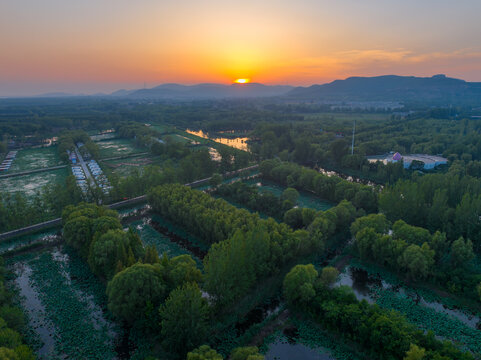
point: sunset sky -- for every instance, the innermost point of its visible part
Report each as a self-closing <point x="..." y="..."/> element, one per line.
<point x="93" y="46"/>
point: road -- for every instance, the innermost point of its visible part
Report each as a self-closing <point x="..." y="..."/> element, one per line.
<point x="84" y="166"/>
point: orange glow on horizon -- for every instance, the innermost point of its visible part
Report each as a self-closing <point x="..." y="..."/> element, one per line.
<point x="242" y="81"/>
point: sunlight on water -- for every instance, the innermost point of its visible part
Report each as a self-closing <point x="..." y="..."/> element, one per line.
<point x="238" y="142"/>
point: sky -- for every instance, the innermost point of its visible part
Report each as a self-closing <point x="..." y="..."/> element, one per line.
<point x="92" y="46"/>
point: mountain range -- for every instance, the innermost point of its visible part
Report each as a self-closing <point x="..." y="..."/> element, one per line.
<point x="435" y="89"/>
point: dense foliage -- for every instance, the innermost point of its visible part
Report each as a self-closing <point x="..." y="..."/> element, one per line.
<point x="416" y="253"/>
<point x="384" y="334"/>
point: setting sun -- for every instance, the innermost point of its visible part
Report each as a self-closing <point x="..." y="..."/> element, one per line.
<point x="242" y="81"/>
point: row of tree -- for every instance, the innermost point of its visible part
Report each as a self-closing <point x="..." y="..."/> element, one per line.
<point x="382" y="334"/>
<point x="332" y="188"/>
<point x="245" y="247"/>
<point x="264" y="202"/>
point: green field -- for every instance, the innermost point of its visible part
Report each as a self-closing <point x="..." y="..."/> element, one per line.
<point x="30" y="159"/>
<point x="123" y="167"/>
<point x="118" y="147"/>
<point x="30" y="184"/>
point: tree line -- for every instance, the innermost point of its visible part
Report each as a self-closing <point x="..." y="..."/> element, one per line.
<point x="332" y="188"/>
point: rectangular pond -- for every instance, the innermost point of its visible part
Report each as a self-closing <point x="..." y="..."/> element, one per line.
<point x="65" y="305"/>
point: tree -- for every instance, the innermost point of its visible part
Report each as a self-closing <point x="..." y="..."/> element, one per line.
<point x="151" y="255"/>
<point x="132" y="290"/>
<point x="329" y="275"/>
<point x="365" y="239"/>
<point x="215" y="180"/>
<point x="204" y="352"/>
<point x="417" y="261"/>
<point x="462" y="252"/>
<point x="299" y="283"/>
<point x="293" y="218"/>
<point x="378" y="222"/>
<point x="415" y="353"/>
<point x="184" y="319"/>
<point x="479" y="291"/>
<point x="181" y="269"/>
<point x="107" y="251"/>
<point x="246" y="353"/>
<point x="290" y="194"/>
<point x="77" y="233"/>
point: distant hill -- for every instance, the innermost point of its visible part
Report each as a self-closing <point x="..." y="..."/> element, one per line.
<point x="438" y="88"/>
<point x="207" y="91"/>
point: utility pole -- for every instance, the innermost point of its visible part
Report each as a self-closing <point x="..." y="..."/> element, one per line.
<point x="353" y="133"/>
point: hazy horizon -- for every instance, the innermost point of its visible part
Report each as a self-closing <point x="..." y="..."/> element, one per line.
<point x="97" y="46"/>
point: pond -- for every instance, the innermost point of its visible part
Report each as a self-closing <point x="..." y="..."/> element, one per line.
<point x="361" y="283"/>
<point x="420" y="307"/>
<point x="306" y="199"/>
<point x="289" y="346"/>
<point x="65" y="305"/>
<point x="283" y="350"/>
<point x="235" y="142"/>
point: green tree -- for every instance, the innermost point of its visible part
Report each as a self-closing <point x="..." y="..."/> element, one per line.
<point x="184" y="319"/>
<point x="290" y="194"/>
<point x="246" y="353"/>
<point x="78" y="234"/>
<point x="299" y="283"/>
<point x="215" y="180"/>
<point x="415" y="353"/>
<point x="378" y="222"/>
<point x="328" y="275"/>
<point x="182" y="269"/>
<point x="8" y="354"/>
<point x="293" y="218"/>
<point x="151" y="255"/>
<point x="479" y="291"/>
<point x="462" y="252"/>
<point x="204" y="352"/>
<point x="133" y="290"/>
<point x="107" y="251"/>
<point x="417" y="260"/>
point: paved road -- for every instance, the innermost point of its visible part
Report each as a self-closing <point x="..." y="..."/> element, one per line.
<point x="84" y="166"/>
